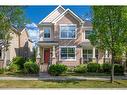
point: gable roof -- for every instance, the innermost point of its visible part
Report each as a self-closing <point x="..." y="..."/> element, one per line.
<point x="53" y="12"/>
<point x="64" y="13"/>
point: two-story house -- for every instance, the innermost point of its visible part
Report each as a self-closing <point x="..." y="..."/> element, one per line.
<point x="64" y="39"/>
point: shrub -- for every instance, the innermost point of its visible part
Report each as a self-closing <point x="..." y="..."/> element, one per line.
<point x="13" y="68"/>
<point x="106" y="67"/>
<point x="1" y="70"/>
<point x="118" y="69"/>
<point x="81" y="68"/>
<point x="70" y="69"/>
<point x="31" y="67"/>
<point x="93" y="67"/>
<point x="57" y="69"/>
<point x="19" y="61"/>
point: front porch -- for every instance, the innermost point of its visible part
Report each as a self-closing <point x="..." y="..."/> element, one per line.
<point x="90" y="53"/>
<point x="46" y="54"/>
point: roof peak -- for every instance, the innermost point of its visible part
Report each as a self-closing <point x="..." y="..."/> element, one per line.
<point x="58" y="7"/>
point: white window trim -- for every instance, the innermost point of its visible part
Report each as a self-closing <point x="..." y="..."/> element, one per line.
<point x="44" y="31"/>
<point x="66" y="59"/>
<point x="67" y="25"/>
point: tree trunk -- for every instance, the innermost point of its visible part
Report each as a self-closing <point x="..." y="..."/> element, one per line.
<point x="112" y="68"/>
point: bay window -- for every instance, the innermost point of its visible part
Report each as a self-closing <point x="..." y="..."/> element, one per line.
<point x="68" y="31"/>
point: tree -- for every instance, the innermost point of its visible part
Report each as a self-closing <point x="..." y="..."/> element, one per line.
<point x="11" y="17"/>
<point x="110" y="32"/>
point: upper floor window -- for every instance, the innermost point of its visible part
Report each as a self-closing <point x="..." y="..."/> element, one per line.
<point x="47" y="32"/>
<point x="68" y="31"/>
<point x="87" y="33"/>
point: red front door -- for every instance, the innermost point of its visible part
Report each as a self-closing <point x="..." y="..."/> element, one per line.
<point x="46" y="55"/>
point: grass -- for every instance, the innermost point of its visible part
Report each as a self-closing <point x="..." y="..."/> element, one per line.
<point x="62" y="84"/>
<point x="17" y="74"/>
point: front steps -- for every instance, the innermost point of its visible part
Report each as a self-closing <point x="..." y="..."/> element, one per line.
<point x="44" y="71"/>
<point x="44" y="75"/>
<point x="44" y="68"/>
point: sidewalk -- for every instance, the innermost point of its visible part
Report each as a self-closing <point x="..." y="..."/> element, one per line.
<point x="58" y="78"/>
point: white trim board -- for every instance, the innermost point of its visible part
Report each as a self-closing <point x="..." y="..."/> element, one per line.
<point x="64" y="13"/>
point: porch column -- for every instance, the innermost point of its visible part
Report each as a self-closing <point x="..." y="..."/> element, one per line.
<point x="54" y="55"/>
<point x="106" y="54"/>
<point x="38" y="57"/>
<point x="107" y="59"/>
<point x="94" y="58"/>
<point x="81" y="57"/>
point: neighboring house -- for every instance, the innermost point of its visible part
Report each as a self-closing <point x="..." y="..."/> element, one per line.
<point x="64" y="40"/>
<point x="20" y="45"/>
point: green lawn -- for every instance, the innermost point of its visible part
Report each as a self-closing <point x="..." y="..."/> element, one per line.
<point x="62" y="84"/>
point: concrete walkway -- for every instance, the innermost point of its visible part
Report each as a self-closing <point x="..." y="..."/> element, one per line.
<point x="57" y="78"/>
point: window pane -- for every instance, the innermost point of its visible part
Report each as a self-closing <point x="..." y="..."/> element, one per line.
<point x="71" y="34"/>
<point x="68" y="31"/>
<point x="89" y="55"/>
<point x="46" y="35"/>
<point x="63" y="53"/>
<point x="63" y="50"/>
<point x="85" y="56"/>
<point x="71" y="56"/>
<point x="84" y="51"/>
<point x="87" y="33"/>
<point x="46" y="32"/>
<point x="71" y="50"/>
<point x="63" y="56"/>
<point x="89" y="51"/>
<point x="63" y="34"/>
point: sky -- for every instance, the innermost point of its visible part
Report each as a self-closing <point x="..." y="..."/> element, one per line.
<point x="36" y="13"/>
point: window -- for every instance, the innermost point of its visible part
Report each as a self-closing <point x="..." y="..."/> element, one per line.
<point x="68" y="31"/>
<point x="87" y="55"/>
<point x="47" y="32"/>
<point x="87" y="33"/>
<point x="67" y="52"/>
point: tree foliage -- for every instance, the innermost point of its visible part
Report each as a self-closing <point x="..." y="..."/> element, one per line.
<point x="10" y="16"/>
<point x="110" y="32"/>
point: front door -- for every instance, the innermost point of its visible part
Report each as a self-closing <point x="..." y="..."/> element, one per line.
<point x="46" y="55"/>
